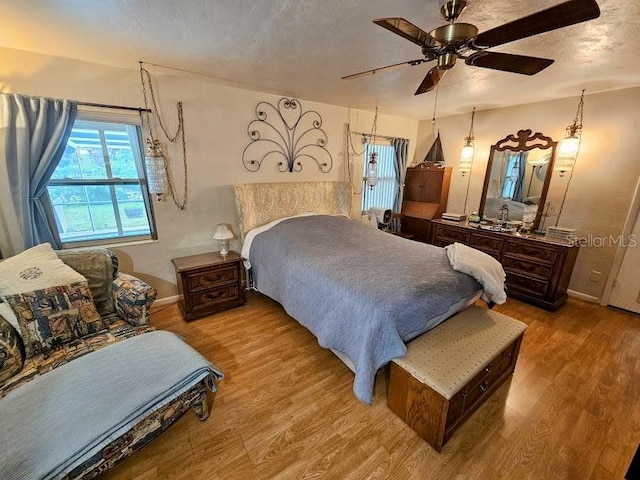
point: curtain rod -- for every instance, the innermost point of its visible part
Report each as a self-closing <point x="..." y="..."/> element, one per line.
<point x="116" y="107"/>
<point x="372" y="136"/>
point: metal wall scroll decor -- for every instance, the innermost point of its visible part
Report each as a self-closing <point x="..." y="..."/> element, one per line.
<point x="284" y="131"/>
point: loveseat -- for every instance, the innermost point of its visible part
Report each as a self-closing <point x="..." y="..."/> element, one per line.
<point x="80" y="390"/>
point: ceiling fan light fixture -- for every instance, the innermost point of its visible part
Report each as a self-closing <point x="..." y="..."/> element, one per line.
<point x="447" y="61"/>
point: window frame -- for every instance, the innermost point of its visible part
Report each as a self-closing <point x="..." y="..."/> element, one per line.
<point x="390" y="178"/>
<point x="131" y="122"/>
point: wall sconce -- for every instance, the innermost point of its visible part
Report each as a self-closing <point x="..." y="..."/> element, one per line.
<point x="372" y="170"/>
<point x="223" y="233"/>
<point x="466" y="154"/>
<point x="569" y="146"/>
<point x="156" y="167"/>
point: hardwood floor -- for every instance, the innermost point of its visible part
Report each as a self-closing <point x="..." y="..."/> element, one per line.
<point x="286" y="410"/>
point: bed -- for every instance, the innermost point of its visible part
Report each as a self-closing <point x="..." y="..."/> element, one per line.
<point x="362" y="292"/>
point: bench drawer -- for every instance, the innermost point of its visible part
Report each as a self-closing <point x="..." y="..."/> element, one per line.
<point x="475" y="392"/>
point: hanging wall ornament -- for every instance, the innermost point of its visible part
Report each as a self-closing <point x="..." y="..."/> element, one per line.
<point x="287" y="134"/>
<point x="159" y="179"/>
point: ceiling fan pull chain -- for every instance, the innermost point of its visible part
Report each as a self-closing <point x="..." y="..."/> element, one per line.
<point x="435" y="105"/>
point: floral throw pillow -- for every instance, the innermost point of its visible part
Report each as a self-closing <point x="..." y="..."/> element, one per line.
<point x="54" y="316"/>
<point x="11" y="354"/>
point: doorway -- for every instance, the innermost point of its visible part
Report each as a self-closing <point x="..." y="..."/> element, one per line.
<point x="623" y="286"/>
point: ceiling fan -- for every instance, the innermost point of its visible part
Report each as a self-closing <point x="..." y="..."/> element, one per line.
<point x="462" y="40"/>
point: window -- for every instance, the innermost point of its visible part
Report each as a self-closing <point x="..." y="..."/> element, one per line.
<point x="512" y="174"/>
<point x="98" y="190"/>
<point x="384" y="194"/>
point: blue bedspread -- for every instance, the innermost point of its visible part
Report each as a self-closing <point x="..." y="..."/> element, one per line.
<point x="51" y="424"/>
<point x="360" y="291"/>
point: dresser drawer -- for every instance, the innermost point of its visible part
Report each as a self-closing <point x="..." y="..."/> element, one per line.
<point x="523" y="284"/>
<point x="203" y="280"/>
<point x="214" y="296"/>
<point x="486" y="244"/>
<point x="537" y="253"/>
<point x="446" y="236"/>
<point x="525" y="267"/>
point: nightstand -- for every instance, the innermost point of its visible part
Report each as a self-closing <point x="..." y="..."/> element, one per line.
<point x="208" y="283"/>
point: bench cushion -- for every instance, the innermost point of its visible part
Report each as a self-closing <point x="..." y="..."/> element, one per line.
<point x="448" y="356"/>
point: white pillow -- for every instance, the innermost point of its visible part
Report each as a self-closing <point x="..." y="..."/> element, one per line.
<point x="34" y="269"/>
<point x="7" y="313"/>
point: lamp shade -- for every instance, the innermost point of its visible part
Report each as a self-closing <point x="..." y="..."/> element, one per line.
<point x="223" y="232"/>
<point x="466" y="159"/>
<point x="567" y="154"/>
<point x="372" y="170"/>
<point x="156" y="168"/>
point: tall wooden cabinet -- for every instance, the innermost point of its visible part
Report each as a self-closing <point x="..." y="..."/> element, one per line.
<point x="426" y="189"/>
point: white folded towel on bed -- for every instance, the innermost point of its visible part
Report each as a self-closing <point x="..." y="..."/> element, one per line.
<point x="484" y="268"/>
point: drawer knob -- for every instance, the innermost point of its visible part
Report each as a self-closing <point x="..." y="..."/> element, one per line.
<point x="484" y="386"/>
<point x="465" y="394"/>
<point x="488" y="368"/>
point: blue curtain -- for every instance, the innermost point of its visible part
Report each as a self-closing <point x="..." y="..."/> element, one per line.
<point x="36" y="131"/>
<point x="521" y="167"/>
<point x="401" y="146"/>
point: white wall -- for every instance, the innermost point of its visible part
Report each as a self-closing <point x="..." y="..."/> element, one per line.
<point x="604" y="178"/>
<point x="216" y="119"/>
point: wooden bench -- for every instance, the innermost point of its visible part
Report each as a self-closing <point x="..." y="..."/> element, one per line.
<point x="451" y="370"/>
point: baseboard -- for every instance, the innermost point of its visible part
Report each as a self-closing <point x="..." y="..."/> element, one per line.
<point x="583" y="296"/>
<point x="165" y="301"/>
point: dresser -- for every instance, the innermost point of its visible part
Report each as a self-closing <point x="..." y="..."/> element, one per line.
<point x="208" y="283"/>
<point x="426" y="189"/>
<point x="538" y="268"/>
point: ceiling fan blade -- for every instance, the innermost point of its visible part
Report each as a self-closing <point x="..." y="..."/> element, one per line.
<point x="388" y="67"/>
<point x="562" y="15"/>
<point x="431" y="79"/>
<point x="407" y="30"/>
<point x="508" y="62"/>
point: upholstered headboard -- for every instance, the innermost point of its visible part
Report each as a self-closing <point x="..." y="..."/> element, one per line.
<point x="261" y="203"/>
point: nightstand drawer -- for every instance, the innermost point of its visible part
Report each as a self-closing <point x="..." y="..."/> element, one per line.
<point x="212" y="278"/>
<point x="214" y="296"/>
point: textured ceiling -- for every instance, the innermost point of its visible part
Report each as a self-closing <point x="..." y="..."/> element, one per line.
<point x="301" y="48"/>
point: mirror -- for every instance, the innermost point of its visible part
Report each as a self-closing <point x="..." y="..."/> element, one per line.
<point x="517" y="179"/>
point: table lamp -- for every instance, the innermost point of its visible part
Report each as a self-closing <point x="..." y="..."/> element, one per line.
<point x="224" y="234"/>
